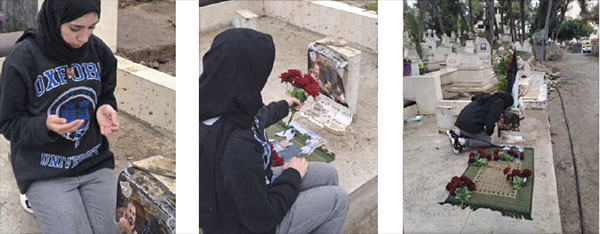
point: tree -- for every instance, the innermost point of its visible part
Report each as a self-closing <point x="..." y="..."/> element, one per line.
<point x="489" y="15"/>
<point x="512" y="21"/>
<point x="436" y="13"/>
<point x="522" y="10"/>
<point x="422" y="14"/>
<point x="20" y="15"/>
<point x="574" y="28"/>
<point x="412" y="27"/>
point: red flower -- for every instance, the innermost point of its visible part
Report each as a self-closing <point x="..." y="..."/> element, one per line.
<point x="291" y="76"/>
<point x="496" y="151"/>
<point x="516" y="172"/>
<point x="471" y="159"/>
<point x="480" y="150"/>
<point x="277" y="161"/>
<point x="526" y="173"/>
<point x="455" y="178"/>
<point x="513" y="153"/>
<point x="496" y="157"/>
<point x="311" y="86"/>
<point x="489" y="156"/>
<point x="509" y="176"/>
<point x="506" y="170"/>
<point x="522" y="156"/>
<point x="472" y="154"/>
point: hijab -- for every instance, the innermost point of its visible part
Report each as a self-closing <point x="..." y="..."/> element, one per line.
<point x="52" y="15"/>
<point x="487" y="98"/>
<point x="235" y="70"/>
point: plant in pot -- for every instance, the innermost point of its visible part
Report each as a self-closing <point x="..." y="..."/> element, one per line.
<point x="407" y="70"/>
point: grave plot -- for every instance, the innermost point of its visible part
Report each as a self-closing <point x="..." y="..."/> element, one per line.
<point x="295" y="26"/>
<point x="147" y="33"/>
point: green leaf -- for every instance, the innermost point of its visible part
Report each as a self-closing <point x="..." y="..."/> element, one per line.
<point x="463" y="195"/>
<point x="481" y="162"/>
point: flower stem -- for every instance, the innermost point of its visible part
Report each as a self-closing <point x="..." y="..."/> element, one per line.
<point x="287" y="126"/>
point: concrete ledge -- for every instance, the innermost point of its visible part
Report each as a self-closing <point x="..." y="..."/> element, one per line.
<point x="426" y="90"/>
<point x="362" y="202"/>
<point x="146" y="94"/>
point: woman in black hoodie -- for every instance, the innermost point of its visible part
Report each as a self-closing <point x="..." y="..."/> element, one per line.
<point x="239" y="191"/>
<point x="56" y="108"/>
<point x="477" y="120"/>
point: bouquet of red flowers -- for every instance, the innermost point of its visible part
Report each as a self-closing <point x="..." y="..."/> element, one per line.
<point x="277" y="161"/>
<point x="303" y="85"/>
<point x="461" y="188"/>
<point x="517" y="178"/>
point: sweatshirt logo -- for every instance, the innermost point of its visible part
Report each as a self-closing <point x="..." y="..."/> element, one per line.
<point x="58" y="76"/>
<point x="75" y="104"/>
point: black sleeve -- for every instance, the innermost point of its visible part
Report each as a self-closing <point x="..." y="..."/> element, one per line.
<point x="493" y="116"/>
<point x="108" y="79"/>
<point x="16" y="123"/>
<point x="273" y="112"/>
<point x="260" y="208"/>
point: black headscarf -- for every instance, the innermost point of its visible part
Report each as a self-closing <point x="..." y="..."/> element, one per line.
<point x="485" y="98"/>
<point x="235" y="70"/>
<point x="52" y="15"/>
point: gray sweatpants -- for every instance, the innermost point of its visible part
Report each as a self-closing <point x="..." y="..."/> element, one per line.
<point x="321" y="206"/>
<point x="479" y="140"/>
<point x="81" y="204"/>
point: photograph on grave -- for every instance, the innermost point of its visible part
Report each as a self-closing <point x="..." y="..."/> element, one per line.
<point x="328" y="67"/>
<point x="308" y="113"/>
<point x="486" y="127"/>
<point x="79" y="107"/>
<point x="144" y="203"/>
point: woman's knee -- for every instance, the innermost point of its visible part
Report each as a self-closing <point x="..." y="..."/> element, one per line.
<point x="325" y="170"/>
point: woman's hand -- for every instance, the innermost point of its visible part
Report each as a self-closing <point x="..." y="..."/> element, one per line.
<point x="60" y="125"/>
<point x="300" y="164"/>
<point x="107" y="119"/>
<point x="291" y="101"/>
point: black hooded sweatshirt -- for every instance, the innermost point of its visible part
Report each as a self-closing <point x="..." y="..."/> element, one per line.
<point x="483" y="112"/>
<point x="42" y="75"/>
<point x="238" y="193"/>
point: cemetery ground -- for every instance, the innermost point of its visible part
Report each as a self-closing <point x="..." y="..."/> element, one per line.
<point x="135" y="139"/>
<point x="146" y="33"/>
<point x="356" y="151"/>
<point x="579" y="92"/>
<point x="429" y="165"/>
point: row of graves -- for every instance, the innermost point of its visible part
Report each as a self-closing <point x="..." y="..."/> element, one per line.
<point x="454" y="73"/>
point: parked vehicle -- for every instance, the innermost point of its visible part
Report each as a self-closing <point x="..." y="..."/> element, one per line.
<point x="586" y="49"/>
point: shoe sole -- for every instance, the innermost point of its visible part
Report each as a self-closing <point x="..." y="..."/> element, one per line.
<point x="452" y="142"/>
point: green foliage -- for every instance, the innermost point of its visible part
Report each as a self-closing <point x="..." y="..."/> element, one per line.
<point x="481" y="162"/>
<point x="574" y="28"/>
<point x="518" y="182"/>
<point x="506" y="157"/>
<point x="372" y="6"/>
<point x="299" y="94"/>
<point x="463" y="195"/>
<point x="501" y="69"/>
<point x="411" y="26"/>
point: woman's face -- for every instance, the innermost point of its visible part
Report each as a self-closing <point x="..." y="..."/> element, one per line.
<point x="77" y="32"/>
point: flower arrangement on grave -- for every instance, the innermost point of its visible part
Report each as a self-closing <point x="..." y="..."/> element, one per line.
<point x="518" y="178"/>
<point x="480" y="158"/>
<point x="277" y="161"/>
<point x="304" y="86"/>
<point x="460" y="188"/>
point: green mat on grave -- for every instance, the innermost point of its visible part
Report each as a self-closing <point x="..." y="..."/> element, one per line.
<point x="320" y="154"/>
<point x="494" y="192"/>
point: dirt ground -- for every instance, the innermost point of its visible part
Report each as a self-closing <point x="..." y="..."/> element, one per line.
<point x="146" y="33"/>
<point x="580" y="98"/>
